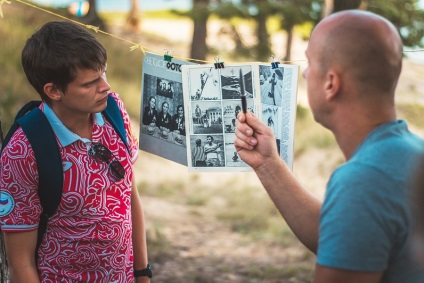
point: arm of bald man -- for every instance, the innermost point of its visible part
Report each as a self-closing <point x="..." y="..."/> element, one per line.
<point x="255" y="143"/>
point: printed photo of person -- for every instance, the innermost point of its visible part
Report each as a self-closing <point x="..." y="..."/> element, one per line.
<point x="150" y="113"/>
<point x="232" y="159"/>
<point x="231" y="108"/>
<point x="214" y="151"/>
<point x="210" y="121"/>
<point x="204" y="84"/>
<point x="164" y="118"/>
<point x="198" y="156"/>
<point x="165" y="88"/>
<point x="271" y="85"/>
<point x="178" y="121"/>
<point x="271" y="115"/>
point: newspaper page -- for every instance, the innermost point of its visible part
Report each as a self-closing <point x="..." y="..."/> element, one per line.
<point x="163" y="125"/>
<point x="278" y="91"/>
<point x="213" y="100"/>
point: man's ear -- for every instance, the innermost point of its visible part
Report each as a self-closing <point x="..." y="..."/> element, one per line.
<point x="332" y="85"/>
<point x="52" y="92"/>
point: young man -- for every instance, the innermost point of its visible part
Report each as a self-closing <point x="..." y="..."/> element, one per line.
<point x="361" y="232"/>
<point x="97" y="233"/>
<point x="164" y="118"/>
<point x="213" y="152"/>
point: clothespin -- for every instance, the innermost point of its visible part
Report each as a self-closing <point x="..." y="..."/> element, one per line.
<point x="218" y="64"/>
<point x="167" y="56"/>
<point x="274" y="64"/>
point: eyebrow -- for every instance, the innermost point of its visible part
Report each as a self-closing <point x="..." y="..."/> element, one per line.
<point x="90" y="82"/>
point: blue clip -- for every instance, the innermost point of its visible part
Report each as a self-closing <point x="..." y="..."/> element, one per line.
<point x="218" y="64"/>
<point x="274" y="64"/>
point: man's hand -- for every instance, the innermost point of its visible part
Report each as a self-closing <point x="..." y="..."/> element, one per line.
<point x="255" y="142"/>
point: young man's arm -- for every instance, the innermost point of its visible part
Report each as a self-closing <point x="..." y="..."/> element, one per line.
<point x="20" y="249"/>
<point x="138" y="234"/>
<point x="255" y="143"/>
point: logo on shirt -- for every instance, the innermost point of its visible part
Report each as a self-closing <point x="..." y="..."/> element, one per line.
<point x="66" y="165"/>
<point x="7" y="203"/>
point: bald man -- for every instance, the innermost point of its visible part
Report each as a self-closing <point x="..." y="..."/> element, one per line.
<point x="360" y="232"/>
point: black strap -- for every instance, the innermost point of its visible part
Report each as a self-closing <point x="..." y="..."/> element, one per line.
<point x="113" y="115"/>
<point x="49" y="164"/>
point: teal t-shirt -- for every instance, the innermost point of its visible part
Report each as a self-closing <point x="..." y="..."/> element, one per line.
<point x="366" y="217"/>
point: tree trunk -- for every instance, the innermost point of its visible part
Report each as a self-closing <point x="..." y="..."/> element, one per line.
<point x="327" y="9"/>
<point x="92" y="18"/>
<point x="340" y="5"/>
<point x="133" y="18"/>
<point x="200" y="19"/>
<point x="290" y="32"/>
<point x="263" y="49"/>
<point x="333" y="6"/>
<point x="364" y="4"/>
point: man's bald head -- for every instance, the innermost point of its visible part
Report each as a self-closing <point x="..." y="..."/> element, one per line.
<point x="362" y="45"/>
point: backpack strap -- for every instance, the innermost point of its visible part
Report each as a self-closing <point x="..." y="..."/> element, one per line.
<point x="49" y="164"/>
<point x="15" y="126"/>
<point x="47" y="155"/>
<point x="114" y="116"/>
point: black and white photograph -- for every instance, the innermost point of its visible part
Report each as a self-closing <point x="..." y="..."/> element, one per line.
<point x="207" y="150"/>
<point x="206" y="117"/>
<point x="162" y="116"/>
<point x="216" y="115"/>
<point x="232" y="159"/>
<point x="204" y="84"/>
<point x="271" y="82"/>
<point x="165" y="88"/>
<point x="230" y="81"/>
<point x="231" y="108"/>
<point x="271" y="116"/>
<point x="163" y="125"/>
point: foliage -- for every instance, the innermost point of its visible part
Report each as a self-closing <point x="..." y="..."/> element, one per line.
<point x="405" y="15"/>
<point x="14" y="88"/>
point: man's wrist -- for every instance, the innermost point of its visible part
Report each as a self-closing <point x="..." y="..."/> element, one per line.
<point x="144" y="272"/>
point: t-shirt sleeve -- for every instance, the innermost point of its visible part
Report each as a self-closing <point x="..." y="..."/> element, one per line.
<point x="20" y="207"/>
<point x="357" y="225"/>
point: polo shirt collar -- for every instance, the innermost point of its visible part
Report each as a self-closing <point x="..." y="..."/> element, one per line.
<point x="66" y="136"/>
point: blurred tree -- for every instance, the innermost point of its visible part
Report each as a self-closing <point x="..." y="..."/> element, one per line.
<point x="133" y="18"/>
<point x="294" y="12"/>
<point x="229" y="11"/>
<point x="92" y="17"/>
<point x="404" y="14"/>
<point x="199" y="14"/>
<point x="407" y="17"/>
<point x="259" y="11"/>
<point x="332" y="6"/>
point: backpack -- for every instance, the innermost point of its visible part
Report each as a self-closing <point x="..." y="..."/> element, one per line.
<point x="49" y="162"/>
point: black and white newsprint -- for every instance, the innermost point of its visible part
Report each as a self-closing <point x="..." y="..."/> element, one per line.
<point x="278" y="91"/>
<point x="163" y="125"/>
<point x="212" y="98"/>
